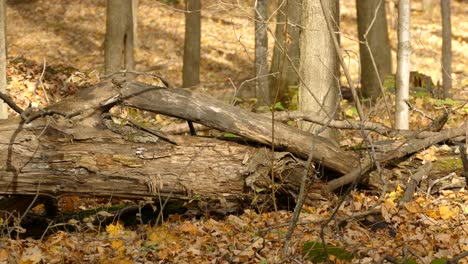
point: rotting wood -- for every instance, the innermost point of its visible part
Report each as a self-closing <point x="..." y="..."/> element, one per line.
<point x="79" y="155"/>
<point x="407" y="147"/>
<point x="107" y="165"/>
<point x="203" y="109"/>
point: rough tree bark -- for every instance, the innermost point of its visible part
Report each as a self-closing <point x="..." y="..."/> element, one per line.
<point x="261" y="53"/>
<point x="446" y="48"/>
<point x="120" y="35"/>
<point x="191" y="67"/>
<point x="100" y="163"/>
<point x="78" y="155"/>
<point x="374" y="46"/>
<point x="81" y="155"/>
<point x="319" y="64"/>
<point x="285" y="61"/>
<point x="3" y="57"/>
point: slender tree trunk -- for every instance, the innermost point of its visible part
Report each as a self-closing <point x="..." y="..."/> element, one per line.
<point x="120" y="35"/>
<point x="3" y="57"/>
<point x="191" y="67"/>
<point x="403" y="65"/>
<point x="319" y="64"/>
<point x="374" y="47"/>
<point x="286" y="51"/>
<point x="261" y="53"/>
<point x="446" y="48"/>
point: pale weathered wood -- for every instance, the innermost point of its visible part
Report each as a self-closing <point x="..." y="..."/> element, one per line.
<point x="203" y="109"/>
<point x="56" y="156"/>
<point x="107" y="165"/>
<point x="79" y="155"/>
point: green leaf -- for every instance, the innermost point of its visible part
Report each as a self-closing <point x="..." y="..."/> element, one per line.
<point x="351" y="112"/>
<point x="259" y="190"/>
<point x="439" y="261"/>
<point x="408" y="261"/>
<point x="315" y="252"/>
<point x="447" y="101"/>
<point x="230" y="135"/>
<point x="279" y="106"/>
<point x="420" y="94"/>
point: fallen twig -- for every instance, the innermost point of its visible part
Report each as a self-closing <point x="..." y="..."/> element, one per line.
<point x="414" y="182"/>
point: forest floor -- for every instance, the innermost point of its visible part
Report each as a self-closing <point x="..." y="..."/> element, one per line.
<point x="68" y="39"/>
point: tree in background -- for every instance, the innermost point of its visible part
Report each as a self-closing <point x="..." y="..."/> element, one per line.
<point x="374" y="46"/>
<point x="403" y="65"/>
<point x="191" y="67"/>
<point x="446" y="48"/>
<point x="319" y="64"/>
<point x="3" y="57"/>
<point x="286" y="51"/>
<point x="120" y="35"/>
<point x="261" y="53"/>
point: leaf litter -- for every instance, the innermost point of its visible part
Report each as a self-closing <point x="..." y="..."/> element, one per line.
<point x="69" y="37"/>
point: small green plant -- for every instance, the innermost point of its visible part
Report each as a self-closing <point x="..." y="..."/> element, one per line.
<point x="439" y="261"/>
<point x="447" y="101"/>
<point x="279" y="107"/>
<point x="315" y="252"/>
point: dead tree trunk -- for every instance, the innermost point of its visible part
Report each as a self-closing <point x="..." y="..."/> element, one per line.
<point x="79" y="155"/>
<point x="45" y="153"/>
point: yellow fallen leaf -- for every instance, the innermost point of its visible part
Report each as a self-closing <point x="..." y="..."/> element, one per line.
<point x="447" y="213"/>
<point x="189" y="228"/>
<point x="114" y="229"/>
<point x="413" y="207"/>
<point x="162" y="235"/>
<point x="117" y="245"/>
<point x="3" y="255"/>
<point x="433" y="214"/>
<point x="396" y="194"/>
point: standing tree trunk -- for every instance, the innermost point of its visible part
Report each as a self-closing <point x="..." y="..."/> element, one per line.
<point x="374" y="46"/>
<point x="446" y="48"/>
<point x="285" y="60"/>
<point x="319" y="64"/>
<point x="261" y="53"/>
<point x="191" y="68"/>
<point x="120" y="35"/>
<point x="3" y="57"/>
<point x="403" y="65"/>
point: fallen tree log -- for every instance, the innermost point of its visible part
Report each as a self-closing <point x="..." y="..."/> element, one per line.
<point x="43" y="160"/>
<point x="68" y="148"/>
<point x="205" y="110"/>
<point x="88" y="104"/>
<point x="43" y="152"/>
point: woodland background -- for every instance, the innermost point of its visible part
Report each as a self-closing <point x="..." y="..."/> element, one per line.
<point x="68" y="39"/>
